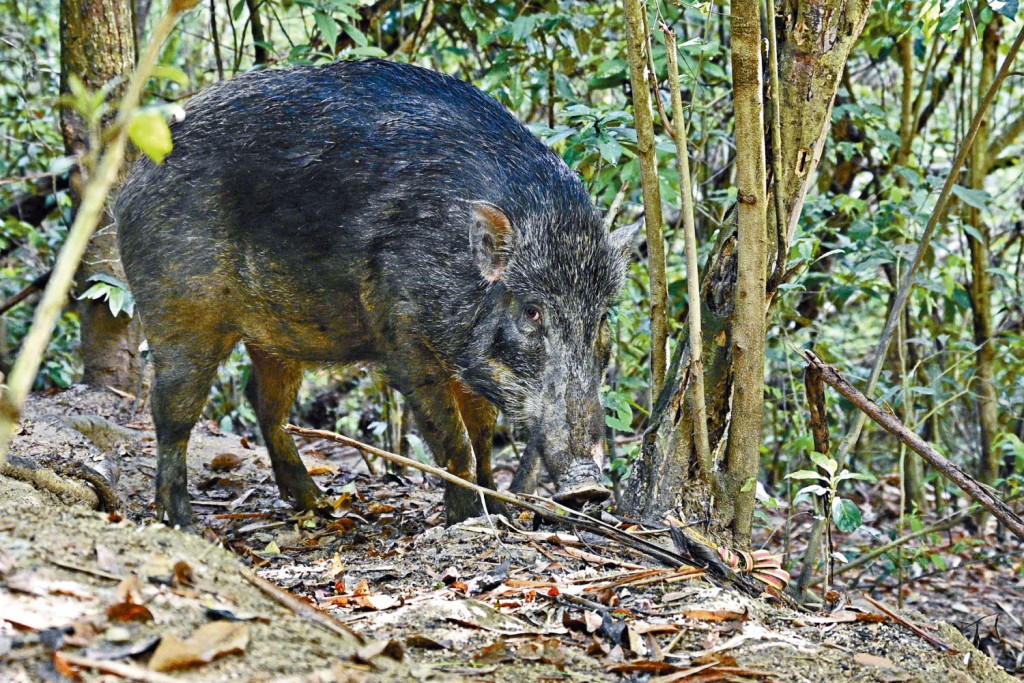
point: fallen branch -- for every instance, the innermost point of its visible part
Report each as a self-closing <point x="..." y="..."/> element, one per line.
<point x="68" y="490"/>
<point x="30" y="289"/>
<point x="131" y="672"/>
<point x="892" y="424"/>
<point x="911" y="626"/>
<point x="302" y="609"/>
<point x="554" y="512"/>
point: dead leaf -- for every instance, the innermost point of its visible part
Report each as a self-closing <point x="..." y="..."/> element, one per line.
<point x="495" y="653"/>
<point x="422" y="641"/>
<point x="129" y="590"/>
<point x="317" y="470"/>
<point x="226" y="461"/>
<point x="182" y="575"/>
<point x="376" y="602"/>
<point x="64" y="668"/>
<point x="209" y="642"/>
<point x="129" y="611"/>
<point x="873" y="660"/>
<point x="107" y="560"/>
<point x="386" y="648"/>
<point x="717" y="615"/>
<point x="481" y="615"/>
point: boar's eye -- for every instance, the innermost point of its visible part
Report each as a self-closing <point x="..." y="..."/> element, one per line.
<point x="533" y="314"/>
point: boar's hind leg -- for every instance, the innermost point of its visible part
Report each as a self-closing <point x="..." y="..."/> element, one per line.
<point x="183" y="377"/>
<point x="271" y="392"/>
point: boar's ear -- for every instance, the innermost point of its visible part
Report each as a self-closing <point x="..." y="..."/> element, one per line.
<point x="621" y="240"/>
<point x="490" y="240"/>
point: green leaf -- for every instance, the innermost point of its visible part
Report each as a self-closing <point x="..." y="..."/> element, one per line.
<point x="328" y="29"/>
<point x="368" y="51"/>
<point x="611" y="150"/>
<point x="1007" y="8"/>
<point x="468" y="15"/>
<point x="824" y="462"/>
<point x="976" y="198"/>
<point x="170" y="73"/>
<point x="149" y="131"/>
<point x="358" y="36"/>
<point x="805" y="474"/>
<point x="845" y="514"/>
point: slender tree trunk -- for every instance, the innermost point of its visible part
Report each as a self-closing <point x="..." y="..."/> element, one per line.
<point x="97" y="45"/>
<point x="752" y="258"/>
<point x="981" y="281"/>
<point x="637" y="42"/>
<point x="814" y="41"/>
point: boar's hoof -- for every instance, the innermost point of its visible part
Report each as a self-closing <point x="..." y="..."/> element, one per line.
<point x="579" y="495"/>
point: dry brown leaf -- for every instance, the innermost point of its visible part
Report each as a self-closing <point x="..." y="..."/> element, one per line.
<point x="317" y="470"/>
<point x="129" y="590"/>
<point x="209" y="642"/>
<point x="376" y="602"/>
<point x="873" y="660"/>
<point x="65" y="669"/>
<point x="107" y="560"/>
<point x="226" y="461"/>
<point x="495" y="653"/>
<point x="129" y="611"/>
<point x="717" y="615"/>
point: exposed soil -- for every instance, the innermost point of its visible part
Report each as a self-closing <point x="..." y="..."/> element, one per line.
<point x="486" y="600"/>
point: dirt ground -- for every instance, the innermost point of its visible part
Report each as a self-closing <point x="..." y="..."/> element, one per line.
<point x="93" y="596"/>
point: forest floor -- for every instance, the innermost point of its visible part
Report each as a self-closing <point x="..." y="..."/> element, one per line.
<point x="92" y="596"/>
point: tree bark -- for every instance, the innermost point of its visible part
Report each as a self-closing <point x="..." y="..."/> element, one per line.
<point x="814" y="41"/>
<point x="752" y="256"/>
<point x="637" y="45"/>
<point x="981" y="281"/>
<point x="97" y="45"/>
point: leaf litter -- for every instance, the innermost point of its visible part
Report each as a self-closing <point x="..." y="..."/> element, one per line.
<point x="384" y="592"/>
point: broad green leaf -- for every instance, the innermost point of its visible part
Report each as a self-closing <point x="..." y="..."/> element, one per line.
<point x="368" y="51"/>
<point x="611" y="150"/>
<point x="468" y="15"/>
<point x="845" y="514"/>
<point x="358" y="36"/>
<point x="805" y="474"/>
<point x="977" y="198"/>
<point x="328" y="29"/>
<point x="170" y="73"/>
<point x="824" y="462"/>
<point x="1008" y="8"/>
<point x="149" y="131"/>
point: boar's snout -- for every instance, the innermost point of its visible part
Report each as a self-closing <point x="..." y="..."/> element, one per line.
<point x="581" y="485"/>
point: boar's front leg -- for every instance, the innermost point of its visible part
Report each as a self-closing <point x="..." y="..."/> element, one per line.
<point x="436" y="411"/>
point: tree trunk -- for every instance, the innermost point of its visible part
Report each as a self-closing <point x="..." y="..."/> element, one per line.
<point x="637" y="43"/>
<point x="747" y="326"/>
<point x="97" y="45"/>
<point x="981" y="280"/>
<point x="814" y="41"/>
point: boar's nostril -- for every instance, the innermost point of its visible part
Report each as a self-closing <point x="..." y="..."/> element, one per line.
<point x="577" y="496"/>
